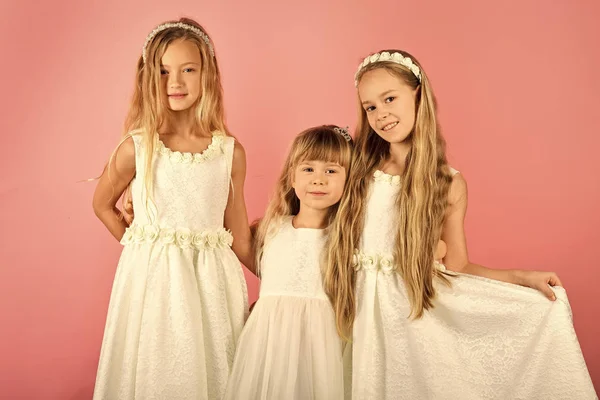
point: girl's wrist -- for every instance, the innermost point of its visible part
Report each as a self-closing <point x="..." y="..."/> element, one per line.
<point x="517" y="276"/>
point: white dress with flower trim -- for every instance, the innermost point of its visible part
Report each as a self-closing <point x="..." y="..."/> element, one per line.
<point x="484" y="339"/>
<point x="179" y="296"/>
<point x="289" y="348"/>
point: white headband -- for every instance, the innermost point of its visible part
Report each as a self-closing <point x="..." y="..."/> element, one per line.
<point x="393" y="57"/>
<point x="180" y="25"/>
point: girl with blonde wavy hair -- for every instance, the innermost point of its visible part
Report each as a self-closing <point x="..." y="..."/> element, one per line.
<point x="289" y="348"/>
<point x="422" y="329"/>
<point x="179" y="299"/>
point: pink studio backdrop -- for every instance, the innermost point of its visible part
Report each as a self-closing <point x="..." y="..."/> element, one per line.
<point x="518" y="90"/>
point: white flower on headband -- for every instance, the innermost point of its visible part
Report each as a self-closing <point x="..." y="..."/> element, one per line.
<point x="343" y="132"/>
<point x="385" y="56"/>
<point x="180" y="25"/>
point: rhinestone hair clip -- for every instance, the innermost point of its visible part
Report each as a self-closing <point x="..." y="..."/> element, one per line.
<point x="393" y="57"/>
<point x="343" y="132"/>
<point x="180" y="25"/>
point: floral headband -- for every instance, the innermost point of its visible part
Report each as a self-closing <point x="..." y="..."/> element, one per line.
<point x="180" y="25"/>
<point x="390" y="57"/>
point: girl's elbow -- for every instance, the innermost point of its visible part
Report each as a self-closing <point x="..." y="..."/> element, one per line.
<point x="100" y="209"/>
<point x="460" y="266"/>
<point x="97" y="209"/>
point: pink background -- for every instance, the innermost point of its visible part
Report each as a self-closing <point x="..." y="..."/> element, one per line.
<point x="519" y="92"/>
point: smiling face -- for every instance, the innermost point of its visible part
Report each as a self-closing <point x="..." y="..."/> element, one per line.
<point x="318" y="184"/>
<point x="389" y="104"/>
<point x="180" y="73"/>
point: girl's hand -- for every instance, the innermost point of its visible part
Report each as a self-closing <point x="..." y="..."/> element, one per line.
<point x="440" y="251"/>
<point x="540" y="281"/>
<point x="128" y="206"/>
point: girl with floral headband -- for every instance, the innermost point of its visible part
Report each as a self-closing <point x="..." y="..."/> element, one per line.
<point x="423" y="329"/>
<point x="179" y="299"/>
<point x="289" y="348"/>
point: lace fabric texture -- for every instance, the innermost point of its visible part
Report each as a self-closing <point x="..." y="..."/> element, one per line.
<point x="483" y="340"/>
<point x="289" y="348"/>
<point x="179" y="297"/>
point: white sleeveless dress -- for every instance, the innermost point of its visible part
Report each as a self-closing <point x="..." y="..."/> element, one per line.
<point x="179" y="296"/>
<point x="484" y="339"/>
<point x="289" y="348"/>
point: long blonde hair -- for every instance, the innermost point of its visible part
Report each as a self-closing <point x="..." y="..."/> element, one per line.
<point x="421" y="203"/>
<point x="321" y="143"/>
<point x="148" y="110"/>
